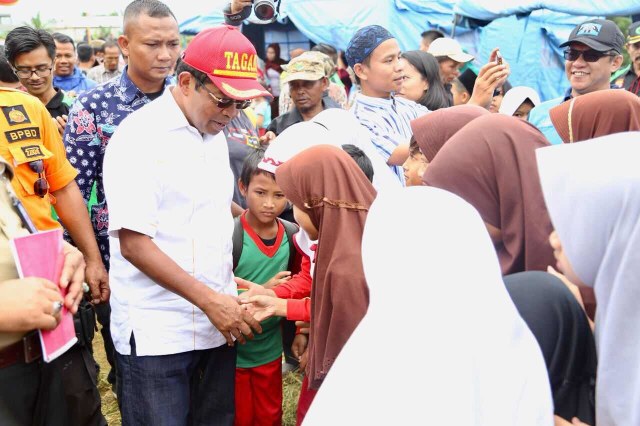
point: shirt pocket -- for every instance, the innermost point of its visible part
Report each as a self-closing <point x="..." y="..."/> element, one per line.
<point x="22" y="155"/>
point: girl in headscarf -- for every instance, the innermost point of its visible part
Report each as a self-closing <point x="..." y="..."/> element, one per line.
<point x="595" y="114"/>
<point x="562" y="330"/>
<point x="592" y="190"/>
<point x="430" y="132"/>
<point x="491" y="163"/>
<point x="273" y="69"/>
<point x="422" y="82"/>
<point x="477" y="363"/>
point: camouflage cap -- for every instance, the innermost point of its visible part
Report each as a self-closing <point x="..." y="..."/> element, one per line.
<point x="308" y="66"/>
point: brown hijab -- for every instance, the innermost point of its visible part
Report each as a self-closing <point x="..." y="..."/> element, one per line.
<point x="432" y="130"/>
<point x="596" y="114"/>
<point x="328" y="185"/>
<point x="491" y="163"/>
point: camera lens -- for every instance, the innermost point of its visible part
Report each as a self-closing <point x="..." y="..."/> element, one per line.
<point x="264" y="10"/>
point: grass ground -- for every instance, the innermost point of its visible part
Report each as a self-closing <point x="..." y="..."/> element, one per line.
<point x="291" y="383"/>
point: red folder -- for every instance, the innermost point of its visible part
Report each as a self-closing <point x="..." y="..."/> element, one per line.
<point x="41" y="255"/>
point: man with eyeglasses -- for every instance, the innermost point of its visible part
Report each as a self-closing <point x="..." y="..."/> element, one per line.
<point x="32" y="54"/>
<point x="594" y="52"/>
<point x="175" y="315"/>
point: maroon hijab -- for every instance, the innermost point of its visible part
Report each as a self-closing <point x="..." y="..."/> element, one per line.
<point x="324" y="182"/>
<point x="432" y="130"/>
<point x="491" y="163"/>
<point x="596" y="114"/>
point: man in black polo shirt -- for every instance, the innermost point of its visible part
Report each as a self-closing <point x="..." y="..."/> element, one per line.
<point x="32" y="52"/>
<point x="307" y="83"/>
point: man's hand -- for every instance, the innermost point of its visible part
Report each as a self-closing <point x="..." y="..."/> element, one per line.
<point x="27" y="304"/>
<point x="231" y="319"/>
<point x="279" y="278"/>
<point x="98" y="280"/>
<point x="304" y="358"/>
<point x="72" y="276"/>
<point x="252" y="289"/>
<point x="299" y="345"/>
<point x="490" y="77"/>
<point x="238" y="5"/>
<point x="267" y="138"/>
<point x="61" y="123"/>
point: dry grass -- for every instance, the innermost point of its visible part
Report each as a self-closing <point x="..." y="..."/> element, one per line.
<point x="291" y="383"/>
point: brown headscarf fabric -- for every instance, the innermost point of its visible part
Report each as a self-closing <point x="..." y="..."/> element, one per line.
<point x="491" y="163"/>
<point x="328" y="185"/>
<point x="432" y="130"/>
<point x="597" y="114"/>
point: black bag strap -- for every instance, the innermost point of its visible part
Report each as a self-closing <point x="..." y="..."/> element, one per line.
<point x="290" y="229"/>
<point x="238" y="239"/>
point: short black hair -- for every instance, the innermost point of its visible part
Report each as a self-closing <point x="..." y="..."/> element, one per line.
<point x="414" y="148"/>
<point x="84" y="52"/>
<point x="250" y="167"/>
<point x="6" y="72"/>
<point x="63" y="38"/>
<point x="151" y="8"/>
<point x="432" y="35"/>
<point x="182" y="66"/>
<point x="108" y="44"/>
<point x="361" y="159"/>
<point x="25" y="39"/>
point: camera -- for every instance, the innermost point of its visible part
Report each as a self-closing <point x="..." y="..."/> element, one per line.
<point x="265" y="10"/>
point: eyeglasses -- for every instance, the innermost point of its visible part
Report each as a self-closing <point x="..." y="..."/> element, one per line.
<point x="224" y="102"/>
<point x="588" y="55"/>
<point x="40" y="186"/>
<point x="40" y="72"/>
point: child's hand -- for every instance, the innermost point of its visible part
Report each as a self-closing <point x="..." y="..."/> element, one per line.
<point x="252" y="289"/>
<point x="267" y="138"/>
<point x="279" y="278"/>
<point x="263" y="307"/>
<point x="303" y="326"/>
<point x="299" y="345"/>
<point x="304" y="359"/>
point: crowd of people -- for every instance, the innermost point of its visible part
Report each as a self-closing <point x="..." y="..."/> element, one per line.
<point x="230" y="218"/>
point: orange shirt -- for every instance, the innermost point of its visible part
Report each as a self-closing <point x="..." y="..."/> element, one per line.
<point x="28" y="133"/>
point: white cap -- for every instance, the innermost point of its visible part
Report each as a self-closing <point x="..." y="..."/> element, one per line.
<point x="515" y="97"/>
<point x="449" y="47"/>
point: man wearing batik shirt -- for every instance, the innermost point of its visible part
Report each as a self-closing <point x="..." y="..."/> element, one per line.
<point x="152" y="45"/>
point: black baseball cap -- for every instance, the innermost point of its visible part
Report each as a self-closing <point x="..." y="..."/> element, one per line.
<point x="599" y="34"/>
<point x="633" y="33"/>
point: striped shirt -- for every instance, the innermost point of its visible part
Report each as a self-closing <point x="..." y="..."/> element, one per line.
<point x="387" y="120"/>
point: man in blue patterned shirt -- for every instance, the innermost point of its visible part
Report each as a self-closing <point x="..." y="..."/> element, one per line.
<point x="151" y="42"/>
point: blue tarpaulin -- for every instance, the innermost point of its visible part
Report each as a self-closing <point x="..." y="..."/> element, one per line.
<point x="527" y="32"/>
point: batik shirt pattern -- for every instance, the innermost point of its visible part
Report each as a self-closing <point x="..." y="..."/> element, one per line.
<point x="92" y="120"/>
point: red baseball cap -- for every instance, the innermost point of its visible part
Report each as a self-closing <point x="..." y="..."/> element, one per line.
<point x="229" y="59"/>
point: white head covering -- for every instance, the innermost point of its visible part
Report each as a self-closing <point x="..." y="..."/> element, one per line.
<point x="515" y="97"/>
<point x="346" y="128"/>
<point x="476" y="362"/>
<point x="592" y="191"/>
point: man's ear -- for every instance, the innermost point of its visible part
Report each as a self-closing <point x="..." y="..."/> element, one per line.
<point x="184" y="80"/>
<point x="616" y="63"/>
<point x="123" y="42"/>
<point x="325" y="83"/>
<point x="360" y="71"/>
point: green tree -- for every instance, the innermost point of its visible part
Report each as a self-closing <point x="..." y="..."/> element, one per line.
<point x="39" y="24"/>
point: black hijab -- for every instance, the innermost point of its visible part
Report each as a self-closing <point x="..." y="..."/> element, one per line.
<point x="562" y="330"/>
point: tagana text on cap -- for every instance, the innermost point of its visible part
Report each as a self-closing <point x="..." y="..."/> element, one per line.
<point x="599" y="34"/>
<point x="450" y="48"/>
<point x="229" y="60"/>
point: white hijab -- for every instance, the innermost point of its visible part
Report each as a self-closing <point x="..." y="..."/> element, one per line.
<point x="344" y="126"/>
<point x="441" y="295"/>
<point x="592" y="191"/>
<point x="515" y="97"/>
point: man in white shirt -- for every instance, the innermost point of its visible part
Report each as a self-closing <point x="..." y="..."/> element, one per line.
<point x="169" y="185"/>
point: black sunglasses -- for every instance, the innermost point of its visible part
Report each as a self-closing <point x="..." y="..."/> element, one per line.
<point x="224" y="102"/>
<point x="588" y="55"/>
<point x="40" y="186"/>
